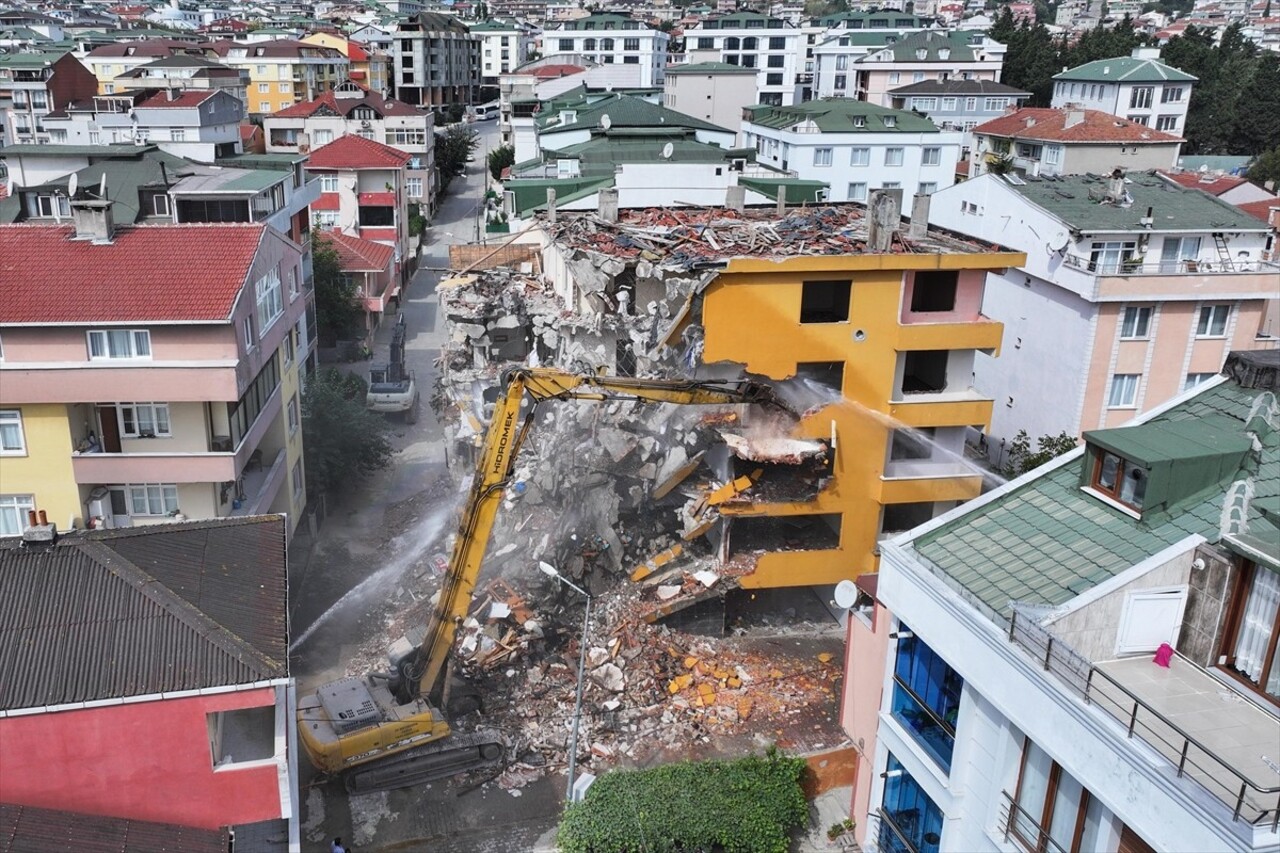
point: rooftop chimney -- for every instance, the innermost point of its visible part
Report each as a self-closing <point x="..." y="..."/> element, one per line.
<point x="919" y="217"/>
<point x="609" y="204"/>
<point x="39" y="531"/>
<point x="736" y="198"/>
<point x="92" y="217"/>
<point x="173" y="94"/>
<point x="782" y="200"/>
<point x="1073" y="118"/>
<point x="551" y="205"/>
<point x="884" y="214"/>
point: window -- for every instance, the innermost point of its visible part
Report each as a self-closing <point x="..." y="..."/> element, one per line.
<point x="324" y="218"/>
<point x="1167" y="123"/>
<point x="262" y="71"/>
<point x="777" y="43"/>
<point x="1136" y="322"/>
<point x="822" y="156"/>
<point x="841" y="81"/>
<point x="1124" y="391"/>
<point x="772" y="80"/>
<point x="57" y="136"/>
<point x="860" y="157"/>
<point x="264" y="106"/>
<point x="1136" y="119"/>
<point x="926" y="697"/>
<point x="589" y="44"/>
<point x="95" y="137"/>
<point x="928" y="188"/>
<point x="293" y="414"/>
<point x="825" y="301"/>
<point x="991" y="105"/>
<point x="894" y="76"/>
<point x="288" y="348"/>
<point x="891" y="185"/>
<point x="12" y="440"/>
<point x="1194" y="379"/>
<point x="630" y="60"/>
<point x="119" y="343"/>
<point x="328" y="183"/>
<point x="144" y="420"/>
<point x="950" y="105"/>
<point x="1054" y="811"/>
<point x="934" y="291"/>
<point x="13" y="513"/>
<point x="1119" y="479"/>
<point x="1251" y="640"/>
<point x="776" y="61"/>
<point x="705" y="43"/>
<point x="413" y="187"/>
<point x="631" y="44"/>
<point x="284" y="88"/>
<point x="48" y="205"/>
<point x="1171" y="94"/>
<point x="566" y="44"/>
<point x="924" y="105"/>
<point x="842" y="62"/>
<point x="177" y="134"/>
<point x="1213" y="321"/>
<point x="917" y="76"/>
<point x="152" y="498"/>
<point x="893" y="156"/>
<point x="857" y="192"/>
<point x="1140" y="97"/>
<point x="264" y="88"/>
<point x="1053" y="155"/>
<point x="270" y="299"/>
<point x="322" y="137"/>
<point x="916" y="819"/>
<point x="932" y="156"/>
<point x="1108" y="258"/>
<point x="246" y="329"/>
<point x="295" y="477"/>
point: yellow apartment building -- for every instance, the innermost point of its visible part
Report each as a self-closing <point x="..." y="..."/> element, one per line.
<point x="882" y="324"/>
<point x="369" y="68"/>
<point x="283" y="72"/>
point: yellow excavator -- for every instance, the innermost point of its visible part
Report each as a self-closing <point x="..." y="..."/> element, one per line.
<point x="386" y="730"/>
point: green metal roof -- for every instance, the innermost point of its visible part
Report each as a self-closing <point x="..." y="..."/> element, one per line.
<point x="530" y="194"/>
<point x="1047" y="541"/>
<point x="710" y="68"/>
<point x="1076" y="200"/>
<point x="885" y="20"/>
<point x="493" y="25"/>
<point x="601" y="155"/>
<point x="860" y="38"/>
<point x="1126" y="69"/>
<point x="604" y="23"/>
<point x="836" y="115"/>
<point x="30" y="60"/>
<point x="96" y="151"/>
<point x="623" y="111"/>
<point x="798" y="191"/>
<point x="1213" y="163"/>
<point x="930" y="41"/>
<point x="262" y="161"/>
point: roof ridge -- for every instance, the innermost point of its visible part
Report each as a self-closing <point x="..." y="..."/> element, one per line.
<point x="187" y="613"/>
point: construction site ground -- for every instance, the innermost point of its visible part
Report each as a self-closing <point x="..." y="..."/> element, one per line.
<point x="367" y="573"/>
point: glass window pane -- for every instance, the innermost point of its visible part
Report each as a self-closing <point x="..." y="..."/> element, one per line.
<point x="162" y="419"/>
<point x="1107" y="476"/>
<point x="97" y="344"/>
<point x="1134" y="487"/>
<point x="1033" y="787"/>
<point x="118" y="343"/>
<point x="1066" y="812"/>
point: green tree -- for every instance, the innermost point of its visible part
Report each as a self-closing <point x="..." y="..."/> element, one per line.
<point x="1023" y="459"/>
<point x="1266" y="167"/>
<point x="338" y="310"/>
<point x="500" y="158"/>
<point x="1257" y="128"/>
<point x="417" y="222"/>
<point x="344" y="440"/>
<point x="454" y="113"/>
<point x="453" y="147"/>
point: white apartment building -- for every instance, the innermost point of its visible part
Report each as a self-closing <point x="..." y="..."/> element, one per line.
<point x="1140" y="89"/>
<point x="613" y="39"/>
<point x="1082" y="660"/>
<point x="1134" y="290"/>
<point x="504" y="47"/>
<point x="436" y="61"/>
<point x="199" y="124"/>
<point x="914" y="58"/>
<point x="772" y="46"/>
<point x="854" y="147"/>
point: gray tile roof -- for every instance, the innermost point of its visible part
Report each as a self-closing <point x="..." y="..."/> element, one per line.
<point x="116" y="613"/>
<point x="1047" y="541"/>
<point x="24" y="829"/>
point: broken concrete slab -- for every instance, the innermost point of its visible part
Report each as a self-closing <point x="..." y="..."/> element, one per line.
<point x="675" y="469"/>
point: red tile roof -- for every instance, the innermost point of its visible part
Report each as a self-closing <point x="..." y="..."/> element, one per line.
<point x="148" y="274"/>
<point x="1212" y="184"/>
<point x="357" y="255"/>
<point x="356" y="152"/>
<point x="344" y="106"/>
<point x="356" y="53"/>
<point x="187" y="98"/>
<point x="1050" y="125"/>
<point x="249" y="131"/>
<point x="557" y="70"/>
<point x="327" y="201"/>
<point x="1262" y="209"/>
<point x="379" y="199"/>
<point x="274" y="49"/>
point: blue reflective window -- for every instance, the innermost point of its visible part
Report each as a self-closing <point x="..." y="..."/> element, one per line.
<point x="911" y="822"/>
<point x="926" y="697"/>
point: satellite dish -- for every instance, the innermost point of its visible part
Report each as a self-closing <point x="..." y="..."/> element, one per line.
<point x="667" y="151"/>
<point x="73" y="184"/>
<point x="1059" y="242"/>
<point x="606" y="122"/>
<point x="846" y="594"/>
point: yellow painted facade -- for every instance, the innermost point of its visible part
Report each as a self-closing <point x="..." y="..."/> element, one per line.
<point x="751" y="316"/>
<point x="276" y="83"/>
<point x="44" y="471"/>
<point x="372" y="72"/>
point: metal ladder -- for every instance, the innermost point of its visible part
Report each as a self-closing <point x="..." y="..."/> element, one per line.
<point x="1224" y="251"/>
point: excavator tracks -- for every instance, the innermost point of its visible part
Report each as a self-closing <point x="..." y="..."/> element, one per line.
<point x="436" y="760"/>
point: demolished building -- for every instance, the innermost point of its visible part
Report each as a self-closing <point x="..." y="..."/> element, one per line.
<point x="875" y="320"/>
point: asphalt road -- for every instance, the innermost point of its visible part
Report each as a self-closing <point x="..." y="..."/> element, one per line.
<point x="347" y="584"/>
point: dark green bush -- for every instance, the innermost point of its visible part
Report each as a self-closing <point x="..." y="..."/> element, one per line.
<point x="748" y="805"/>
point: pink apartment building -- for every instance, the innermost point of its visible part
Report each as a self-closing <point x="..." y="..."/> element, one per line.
<point x="362" y="193"/>
<point x="148" y="372"/>
<point x="1135" y="290"/>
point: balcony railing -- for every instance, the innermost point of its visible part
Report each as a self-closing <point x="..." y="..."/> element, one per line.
<point x="1024" y="830"/>
<point x="1247" y="800"/>
<point x="1177" y="267"/>
<point x="893" y="838"/>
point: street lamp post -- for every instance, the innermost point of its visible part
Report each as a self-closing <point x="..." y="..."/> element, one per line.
<point x="551" y="571"/>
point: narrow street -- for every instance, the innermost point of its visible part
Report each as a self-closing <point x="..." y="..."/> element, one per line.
<point x="368" y="564"/>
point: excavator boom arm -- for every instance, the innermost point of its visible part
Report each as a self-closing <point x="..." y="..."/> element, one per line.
<point x="506" y="434"/>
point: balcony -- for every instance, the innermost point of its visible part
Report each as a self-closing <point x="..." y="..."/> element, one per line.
<point x="258" y="486"/>
<point x="1202" y="729"/>
<point x="1022" y="829"/>
<point x="896" y="832"/>
<point x="1135" y="267"/>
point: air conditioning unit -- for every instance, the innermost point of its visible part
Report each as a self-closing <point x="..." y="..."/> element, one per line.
<point x="99" y="507"/>
<point x="365" y="124"/>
